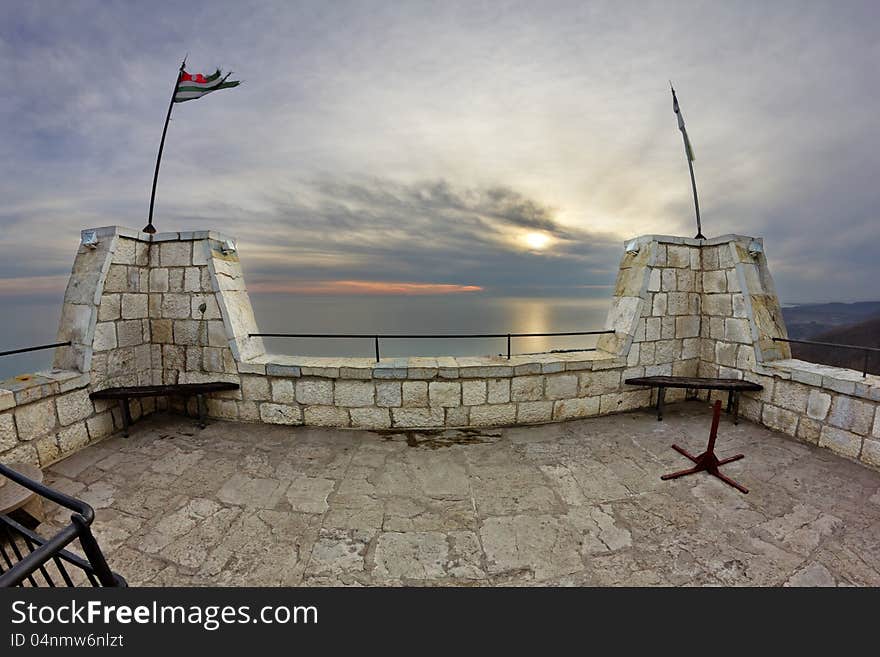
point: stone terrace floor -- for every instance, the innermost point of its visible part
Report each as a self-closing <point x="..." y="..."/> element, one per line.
<point x="578" y="503"/>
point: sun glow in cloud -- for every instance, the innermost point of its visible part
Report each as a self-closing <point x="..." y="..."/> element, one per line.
<point x="360" y="287"/>
<point x="536" y="240"/>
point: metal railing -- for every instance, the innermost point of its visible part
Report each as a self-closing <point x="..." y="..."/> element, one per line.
<point x="867" y="350"/>
<point x="27" y="559"/>
<point x="37" y="348"/>
<point x="376" y="337"/>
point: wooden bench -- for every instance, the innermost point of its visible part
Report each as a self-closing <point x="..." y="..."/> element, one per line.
<point x="733" y="387"/>
<point x="123" y="394"/>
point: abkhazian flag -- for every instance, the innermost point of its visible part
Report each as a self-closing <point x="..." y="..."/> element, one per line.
<point x="687" y="140"/>
<point x="192" y="86"/>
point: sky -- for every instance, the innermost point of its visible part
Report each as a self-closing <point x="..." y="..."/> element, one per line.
<point x="443" y="147"/>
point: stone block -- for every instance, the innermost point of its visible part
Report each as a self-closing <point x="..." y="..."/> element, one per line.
<point x="124" y="253"/>
<point x="161" y="331"/>
<point x="212" y="310"/>
<point x="493" y="415"/>
<point x="192" y="280"/>
<point x="871" y="452"/>
<point x="354" y="393"/>
<point x="652" y="329"/>
<point x="134" y="306"/>
<point x="272" y="413"/>
<point x="100" y="426"/>
<point x="415" y="393"/>
<point x="74" y="406"/>
<point x="175" y="280"/>
<point x="217" y="335"/>
<point x="187" y="332"/>
<point x="498" y="391"/>
<point x="667" y="280"/>
<point x="658" y="306"/>
<point x="370" y="418"/>
<point x="47" y="450"/>
<point x="840" y="441"/>
<point x="388" y="394"/>
<point x="809" y="430"/>
<point x="570" y="409"/>
<point x="527" y="388"/>
<point x="176" y="306"/>
<point x="563" y="386"/>
<point x="110" y="308"/>
<point x="255" y="388"/>
<point x="678" y="255"/>
<point x="737" y="330"/>
<point x="532" y="412"/>
<point x="326" y="416"/>
<point x="8" y="434"/>
<point x="779" y="419"/>
<point x="851" y="414"/>
<point x="35" y="420"/>
<point x="105" y="336"/>
<point x="73" y="437"/>
<point x="458" y="417"/>
<point x="667" y="351"/>
<point x="473" y="392"/>
<point x="655" y="280"/>
<point x="684" y="280"/>
<point x="718" y="305"/>
<point x="175" y="254"/>
<point x="418" y="417"/>
<point x="159" y="280"/>
<point x="117" y="279"/>
<point x="624" y="401"/>
<point x="678" y="303"/>
<point x="725" y="353"/>
<point x="318" y="392"/>
<point x="818" y="404"/>
<point x="444" y="393"/>
<point x="790" y="395"/>
<point x="714" y="282"/>
<point x="282" y="391"/>
<point x="129" y="333"/>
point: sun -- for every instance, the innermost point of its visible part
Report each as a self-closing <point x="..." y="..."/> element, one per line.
<point x="537" y="241"/>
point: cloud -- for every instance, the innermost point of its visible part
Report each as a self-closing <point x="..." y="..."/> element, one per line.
<point x="417" y="142"/>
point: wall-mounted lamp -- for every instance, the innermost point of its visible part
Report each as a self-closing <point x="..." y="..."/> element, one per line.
<point x="89" y="239"/>
<point x="632" y="247"/>
<point x="755" y="248"/>
<point x="228" y="247"/>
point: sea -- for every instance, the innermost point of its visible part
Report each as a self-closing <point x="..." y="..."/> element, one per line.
<point x="30" y="322"/>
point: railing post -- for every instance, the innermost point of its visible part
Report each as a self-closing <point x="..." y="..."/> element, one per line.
<point x="376" y="342"/>
<point x="865" y="368"/>
<point x="508" y="346"/>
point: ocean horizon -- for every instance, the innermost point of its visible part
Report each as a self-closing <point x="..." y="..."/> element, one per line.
<point x="35" y="321"/>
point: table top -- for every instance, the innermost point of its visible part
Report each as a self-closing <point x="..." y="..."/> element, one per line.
<point x="14" y="496"/>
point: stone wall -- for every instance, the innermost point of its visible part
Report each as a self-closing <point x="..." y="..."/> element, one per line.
<point x="173" y="308"/>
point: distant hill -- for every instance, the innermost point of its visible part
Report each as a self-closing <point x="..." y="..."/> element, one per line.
<point x="863" y="332"/>
<point x="808" y="320"/>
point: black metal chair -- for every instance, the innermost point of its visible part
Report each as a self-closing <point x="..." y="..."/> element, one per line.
<point x="27" y="559"/>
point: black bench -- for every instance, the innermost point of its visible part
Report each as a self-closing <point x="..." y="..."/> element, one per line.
<point x="123" y="394"/>
<point x="733" y="387"/>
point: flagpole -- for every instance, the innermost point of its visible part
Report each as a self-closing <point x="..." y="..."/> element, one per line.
<point x="687" y="156"/>
<point x="149" y="228"/>
<point x="699" y="235"/>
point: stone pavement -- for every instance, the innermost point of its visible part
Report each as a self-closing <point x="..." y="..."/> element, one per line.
<point x="575" y="503"/>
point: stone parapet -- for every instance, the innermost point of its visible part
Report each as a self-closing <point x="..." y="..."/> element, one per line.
<point x="173" y="308"/>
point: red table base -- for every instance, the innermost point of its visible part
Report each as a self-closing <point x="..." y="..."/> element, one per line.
<point x="707" y="461"/>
